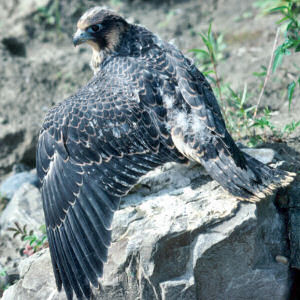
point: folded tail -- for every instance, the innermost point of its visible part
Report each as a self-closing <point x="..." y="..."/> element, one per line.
<point x="247" y="179"/>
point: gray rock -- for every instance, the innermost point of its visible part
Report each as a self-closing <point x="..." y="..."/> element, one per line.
<point x="25" y="208"/>
<point x="179" y="235"/>
<point x="24" y="9"/>
<point x="264" y="155"/>
<point x="11" y="184"/>
<point x="38" y="280"/>
<point x="294" y="225"/>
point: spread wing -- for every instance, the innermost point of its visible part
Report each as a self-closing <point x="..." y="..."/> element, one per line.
<point x="92" y="149"/>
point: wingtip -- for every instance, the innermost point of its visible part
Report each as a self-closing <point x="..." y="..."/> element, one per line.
<point x="99" y="288"/>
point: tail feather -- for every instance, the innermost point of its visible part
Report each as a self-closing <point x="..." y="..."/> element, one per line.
<point x="250" y="180"/>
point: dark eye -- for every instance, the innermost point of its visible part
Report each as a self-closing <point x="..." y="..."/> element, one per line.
<point x="95" y="28"/>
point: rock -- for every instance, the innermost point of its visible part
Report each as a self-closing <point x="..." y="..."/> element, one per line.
<point x="264" y="155"/>
<point x="180" y="236"/>
<point x="14" y="46"/>
<point x="20" y="9"/>
<point x="17" y="143"/>
<point x="11" y="184"/>
<point x="3" y="278"/>
<point x="294" y="225"/>
<point x="25" y="208"/>
<point x="38" y="278"/>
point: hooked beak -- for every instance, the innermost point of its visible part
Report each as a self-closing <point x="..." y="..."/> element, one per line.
<point x="81" y="36"/>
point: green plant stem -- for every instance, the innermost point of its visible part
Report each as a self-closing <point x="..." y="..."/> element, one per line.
<point x="218" y="87"/>
<point x="268" y="73"/>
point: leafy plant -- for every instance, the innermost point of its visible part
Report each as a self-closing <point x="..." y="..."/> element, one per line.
<point x="238" y="112"/>
<point x="3" y="286"/>
<point x="210" y="58"/>
<point x="262" y="73"/>
<point x="266" y="5"/>
<point x="34" y="242"/>
<point x="49" y="15"/>
<point x="3" y="272"/>
<point x="289" y="128"/>
<point x="213" y="55"/>
<point x="3" y="202"/>
<point x="290" y="25"/>
<point x="240" y="117"/>
<point x="291" y="28"/>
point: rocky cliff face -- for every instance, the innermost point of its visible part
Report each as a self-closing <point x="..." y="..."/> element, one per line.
<point x="178" y="235"/>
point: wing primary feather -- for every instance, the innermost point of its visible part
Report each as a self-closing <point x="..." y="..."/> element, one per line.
<point x="64" y="187"/>
<point x="96" y="219"/>
<point x="110" y="201"/>
<point x="83" y="261"/>
<point x="47" y="202"/>
<point x="61" y="203"/>
<point x="65" y="264"/>
<point x="80" y="276"/>
<point x="48" y="217"/>
<point x="119" y="176"/>
<point x="135" y="166"/>
<point x="148" y="162"/>
<point x="56" y="206"/>
<point x="56" y="272"/>
<point x="83" y="237"/>
<point x="74" y="173"/>
<point x="44" y="157"/>
<point x="102" y="208"/>
<point x="92" y="236"/>
<point x="65" y="281"/>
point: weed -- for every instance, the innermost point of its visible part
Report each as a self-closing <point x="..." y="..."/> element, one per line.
<point x="240" y="117"/>
<point x="3" y="202"/>
<point x="213" y="55"/>
<point x="290" y="25"/>
<point x="3" y="272"/>
<point x="289" y="128"/>
<point x="262" y="73"/>
<point x="266" y="5"/>
<point x="3" y="286"/>
<point x="34" y="242"/>
<point x="210" y="58"/>
<point x="167" y="20"/>
<point x="238" y="112"/>
<point x="49" y="15"/>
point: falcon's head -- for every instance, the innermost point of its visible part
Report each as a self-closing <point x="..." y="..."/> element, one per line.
<point x="100" y="28"/>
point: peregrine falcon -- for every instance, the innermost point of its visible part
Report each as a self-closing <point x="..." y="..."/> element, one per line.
<point x="147" y="104"/>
